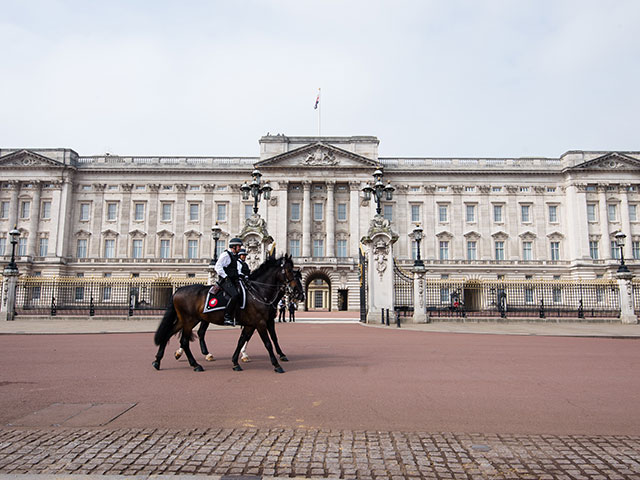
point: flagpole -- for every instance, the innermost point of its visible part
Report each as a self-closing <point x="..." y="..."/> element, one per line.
<point x="319" y="116"/>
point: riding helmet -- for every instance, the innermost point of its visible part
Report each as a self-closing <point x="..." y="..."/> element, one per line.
<point x="235" y="241"/>
<point x="242" y="252"/>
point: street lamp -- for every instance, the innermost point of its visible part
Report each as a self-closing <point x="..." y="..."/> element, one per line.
<point x="620" y="238"/>
<point x="256" y="190"/>
<point x="14" y="234"/>
<point x="378" y="189"/>
<point x="216" y="231"/>
<point x="417" y="235"/>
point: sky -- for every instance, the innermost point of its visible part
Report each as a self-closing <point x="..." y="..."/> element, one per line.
<point x="428" y="78"/>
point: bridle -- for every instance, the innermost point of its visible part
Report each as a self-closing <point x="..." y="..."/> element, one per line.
<point x="284" y="288"/>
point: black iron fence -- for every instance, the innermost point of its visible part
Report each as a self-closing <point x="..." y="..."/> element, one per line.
<point x="96" y="296"/>
<point x="402" y="290"/>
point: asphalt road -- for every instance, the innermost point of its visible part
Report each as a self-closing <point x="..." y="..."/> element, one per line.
<point x="349" y="377"/>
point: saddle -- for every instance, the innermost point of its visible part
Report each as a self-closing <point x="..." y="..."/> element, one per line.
<point x="217" y="299"/>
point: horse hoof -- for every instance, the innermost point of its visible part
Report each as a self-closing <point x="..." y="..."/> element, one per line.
<point x="156" y="365"/>
<point x="278" y="369"/>
<point x="178" y="353"/>
<point x="237" y="368"/>
<point x="284" y="358"/>
<point x="198" y="368"/>
<point x="245" y="359"/>
<point x="209" y="358"/>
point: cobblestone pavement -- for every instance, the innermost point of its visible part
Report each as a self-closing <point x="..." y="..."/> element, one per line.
<point x="313" y="453"/>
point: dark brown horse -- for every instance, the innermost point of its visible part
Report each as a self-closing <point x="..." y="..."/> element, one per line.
<point x="268" y="282"/>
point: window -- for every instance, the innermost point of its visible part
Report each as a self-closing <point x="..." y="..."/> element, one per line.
<point x="137" y="249"/>
<point x="591" y="212"/>
<point x="222" y="245"/>
<point x="139" y="212"/>
<point x="194" y="212"/>
<point x="615" y="250"/>
<point x="43" y="246"/>
<point x="496" y="189"/>
<point x="192" y="249"/>
<point x="46" y="209"/>
<point x="553" y="213"/>
<point x="24" y="209"/>
<point x="497" y="213"/>
<point x="294" y="248"/>
<point x="165" y="248"/>
<point x="415" y="213"/>
<point x="109" y="248"/>
<point x="295" y="212"/>
<point x="612" y="211"/>
<point x="551" y="189"/>
<point x="527" y="248"/>
<point x="556" y="291"/>
<point x="636" y="250"/>
<point x="166" y="212"/>
<point x="248" y="210"/>
<point x="593" y="249"/>
<point x="442" y="213"/>
<point x="469" y="189"/>
<point x="81" y="248"/>
<point x="528" y="291"/>
<point x="387" y="212"/>
<point x="471" y="250"/>
<point x="442" y="189"/>
<point x="84" y="212"/>
<point x="22" y="247"/>
<point x="499" y="250"/>
<point x="342" y="212"/>
<point x="525" y="213"/>
<point x="317" y="299"/>
<point x="318" y="248"/>
<point x="555" y="251"/>
<point x="342" y="248"/>
<point x="471" y="213"/>
<point x="112" y="211"/>
<point x="221" y="214"/>
<point x="524" y="189"/>
<point x="414" y="250"/>
<point x="194" y="188"/>
<point x="444" y="250"/>
<point x="317" y="212"/>
<point x="106" y="290"/>
<point x="80" y="290"/>
<point x="4" y="210"/>
<point x="633" y="213"/>
<point x="3" y="246"/>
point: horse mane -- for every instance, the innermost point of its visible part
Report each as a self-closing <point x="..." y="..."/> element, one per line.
<point x="269" y="263"/>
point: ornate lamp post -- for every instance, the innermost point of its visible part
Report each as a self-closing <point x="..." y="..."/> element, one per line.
<point x="256" y="190"/>
<point x="620" y="238"/>
<point x="216" y="231"/>
<point x="11" y="272"/>
<point x="417" y="235"/>
<point x="14" y="234"/>
<point x="378" y="189"/>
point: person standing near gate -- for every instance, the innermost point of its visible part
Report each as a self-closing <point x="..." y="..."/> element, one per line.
<point x="228" y="273"/>
<point x="282" y="305"/>
<point x="292" y="311"/>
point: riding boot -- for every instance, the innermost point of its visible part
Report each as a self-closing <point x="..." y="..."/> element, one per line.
<point x="229" y="321"/>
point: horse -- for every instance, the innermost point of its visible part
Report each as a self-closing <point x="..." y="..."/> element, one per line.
<point x="185" y="311"/>
<point x="297" y="293"/>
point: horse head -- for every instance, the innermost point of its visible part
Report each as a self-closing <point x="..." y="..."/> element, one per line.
<point x="292" y="279"/>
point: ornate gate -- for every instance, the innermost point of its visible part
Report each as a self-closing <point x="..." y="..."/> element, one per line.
<point x="402" y="291"/>
<point x="363" y="286"/>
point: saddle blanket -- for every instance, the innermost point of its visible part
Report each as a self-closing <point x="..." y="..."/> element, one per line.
<point x="217" y="299"/>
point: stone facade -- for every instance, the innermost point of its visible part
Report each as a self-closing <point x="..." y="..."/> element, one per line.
<point x="482" y="217"/>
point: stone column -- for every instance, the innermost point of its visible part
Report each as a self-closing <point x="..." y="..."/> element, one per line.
<point x="306" y="219"/>
<point x="457" y="222"/>
<point x="428" y="248"/>
<point x="64" y="247"/>
<point x="34" y="220"/>
<point x="179" y="222"/>
<point x="627" y="313"/>
<point x="282" y="219"/>
<point x="625" y="223"/>
<point x="331" y="224"/>
<point x="542" y="248"/>
<point x="152" y="228"/>
<point x="577" y="243"/>
<point x="419" y="300"/>
<point x="208" y="220"/>
<point x="605" y="240"/>
<point x="14" y="188"/>
<point x="98" y="217"/>
<point x="125" y="220"/>
<point x="354" y="218"/>
<point x="512" y="222"/>
<point x="485" y="213"/>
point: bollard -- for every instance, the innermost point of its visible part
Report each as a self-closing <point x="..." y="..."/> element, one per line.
<point x="382" y="316"/>
<point x="387" y="317"/>
<point x="397" y="319"/>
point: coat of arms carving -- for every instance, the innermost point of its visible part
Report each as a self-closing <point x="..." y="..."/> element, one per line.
<point x="320" y="156"/>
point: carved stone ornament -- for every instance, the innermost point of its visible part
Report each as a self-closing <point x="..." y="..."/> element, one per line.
<point x="255" y="224"/>
<point x="379" y="224"/>
<point x="320" y="156"/>
<point x="380" y="255"/>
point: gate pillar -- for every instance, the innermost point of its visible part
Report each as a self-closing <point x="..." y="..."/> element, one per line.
<point x="419" y="300"/>
<point x="627" y="313"/>
<point x="256" y="240"/>
<point x="379" y="244"/>
<point x="8" y="310"/>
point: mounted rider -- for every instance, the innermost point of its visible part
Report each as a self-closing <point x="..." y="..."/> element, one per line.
<point x="243" y="268"/>
<point x="228" y="270"/>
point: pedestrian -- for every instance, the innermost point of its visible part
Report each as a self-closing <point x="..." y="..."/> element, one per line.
<point x="282" y="305"/>
<point x="292" y="311"/>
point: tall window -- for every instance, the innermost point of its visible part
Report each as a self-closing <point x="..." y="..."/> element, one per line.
<point x="165" y="248"/>
<point x="442" y="213"/>
<point x="294" y="247"/>
<point x="555" y="251"/>
<point x="387" y="212"/>
<point x="43" y="246"/>
<point x="471" y="213"/>
<point x="106" y="290"/>
<point x="80" y="290"/>
<point x="248" y="210"/>
<point x="84" y="212"/>
<point x="415" y="213"/>
<point x="112" y="211"/>
<point x="591" y="212"/>
<point x="24" y="209"/>
<point x="295" y="212"/>
<point x="527" y="250"/>
<point x="528" y="291"/>
<point x="4" y="209"/>
<point x="109" y="248"/>
<point x="615" y="250"/>
<point x="444" y="250"/>
<point x="525" y="211"/>
<point x="221" y="215"/>
<point x="318" y="248"/>
<point x="192" y="249"/>
<point x="81" y="248"/>
<point x="553" y="213"/>
<point x="22" y="247"/>
<point x="166" y="212"/>
<point x="46" y="209"/>
<point x="633" y="213"/>
<point x="317" y="212"/>
<point x="593" y="249"/>
<point x="612" y="211"/>
<point x="414" y="250"/>
<point x="499" y="250"/>
<point x="341" y="248"/>
<point x="222" y="246"/>
<point x="497" y="213"/>
<point x="137" y="248"/>
<point x="472" y="250"/>
<point x="3" y="245"/>
<point x="342" y="212"/>
<point x="194" y="212"/>
<point x="636" y="250"/>
<point x="139" y="212"/>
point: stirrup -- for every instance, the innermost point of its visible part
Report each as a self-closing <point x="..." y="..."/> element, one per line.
<point x="229" y="322"/>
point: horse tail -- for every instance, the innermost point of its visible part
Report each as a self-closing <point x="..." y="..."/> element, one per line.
<point x="165" y="329"/>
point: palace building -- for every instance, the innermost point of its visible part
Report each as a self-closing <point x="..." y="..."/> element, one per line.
<point x="482" y="218"/>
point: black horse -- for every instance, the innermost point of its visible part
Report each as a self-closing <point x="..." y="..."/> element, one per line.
<point x="268" y="282"/>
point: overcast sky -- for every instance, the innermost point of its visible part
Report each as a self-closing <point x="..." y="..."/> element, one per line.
<point x="429" y="78"/>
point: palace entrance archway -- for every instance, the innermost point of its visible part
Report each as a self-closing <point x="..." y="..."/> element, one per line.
<point x="318" y="292"/>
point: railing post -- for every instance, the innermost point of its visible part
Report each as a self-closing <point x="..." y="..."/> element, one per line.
<point x="11" y="286"/>
<point x="387" y="316"/>
<point x="54" y="311"/>
<point x="625" y="290"/>
<point x="92" y="309"/>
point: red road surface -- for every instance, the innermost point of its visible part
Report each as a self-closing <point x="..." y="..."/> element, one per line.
<point x="339" y="377"/>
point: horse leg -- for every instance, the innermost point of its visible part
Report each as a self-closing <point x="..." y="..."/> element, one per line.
<point x="245" y="357"/>
<point x="159" y="355"/>
<point x="203" y="346"/>
<point x="264" y="335"/>
<point x="184" y="343"/>
<point x="271" y="327"/>
<point x="245" y="335"/>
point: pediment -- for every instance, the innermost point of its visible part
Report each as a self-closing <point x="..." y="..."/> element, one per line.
<point x="318" y="155"/>
<point x="165" y="233"/>
<point x="444" y="234"/>
<point x="472" y="234"/>
<point x="610" y="161"/>
<point x="555" y="234"/>
<point x="528" y="235"/>
<point x="82" y="233"/>
<point x="29" y="159"/>
<point x="499" y="235"/>
<point x="110" y="233"/>
<point x="192" y="233"/>
<point x="137" y="233"/>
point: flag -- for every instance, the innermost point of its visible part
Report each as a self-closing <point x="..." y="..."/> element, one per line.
<point x="315" y="107"/>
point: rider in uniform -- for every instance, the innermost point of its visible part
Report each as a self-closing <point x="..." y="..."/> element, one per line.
<point x="228" y="274"/>
<point x="243" y="268"/>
